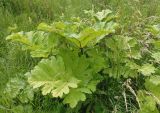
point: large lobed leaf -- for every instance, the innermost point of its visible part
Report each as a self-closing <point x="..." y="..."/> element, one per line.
<point x="81" y="33"/>
<point x="52" y="76"/>
<point x="147" y="69"/>
<point x="39" y="43"/>
<point x="64" y="75"/>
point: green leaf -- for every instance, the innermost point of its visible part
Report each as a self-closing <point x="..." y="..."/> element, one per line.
<point x="63" y="75"/>
<point x="78" y="94"/>
<point x="156" y="56"/>
<point x="74" y="97"/>
<point x="154" y="29"/>
<point x="75" y="41"/>
<point x="39" y="43"/>
<point x="155" y="80"/>
<point x="136" y="54"/>
<point x="153" y="85"/>
<point x="18" y="109"/>
<point x="22" y="109"/>
<point x="17" y="88"/>
<point x="156" y="44"/>
<point x="147" y="69"/>
<point x="132" y="65"/>
<point x="92" y="85"/>
<point x="147" y="103"/>
<point x="13" y="87"/>
<point x="89" y="35"/>
<point x="103" y="14"/>
<point x="63" y="87"/>
<point x="80" y="34"/>
<point x="52" y="76"/>
<point x="97" y="60"/>
<point x="26" y="95"/>
<point x="44" y="27"/>
<point x="18" y="37"/>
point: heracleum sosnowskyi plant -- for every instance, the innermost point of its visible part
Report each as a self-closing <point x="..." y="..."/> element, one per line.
<point x="80" y="53"/>
<point x="72" y="72"/>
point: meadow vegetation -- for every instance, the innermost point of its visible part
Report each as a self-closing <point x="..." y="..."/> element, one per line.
<point x="79" y="56"/>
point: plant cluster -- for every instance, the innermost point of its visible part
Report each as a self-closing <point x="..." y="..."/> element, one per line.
<point x="78" y="56"/>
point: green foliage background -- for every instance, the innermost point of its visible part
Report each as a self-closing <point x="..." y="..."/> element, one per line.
<point x="17" y="15"/>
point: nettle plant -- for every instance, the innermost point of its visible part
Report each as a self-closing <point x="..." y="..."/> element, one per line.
<point x="78" y="54"/>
